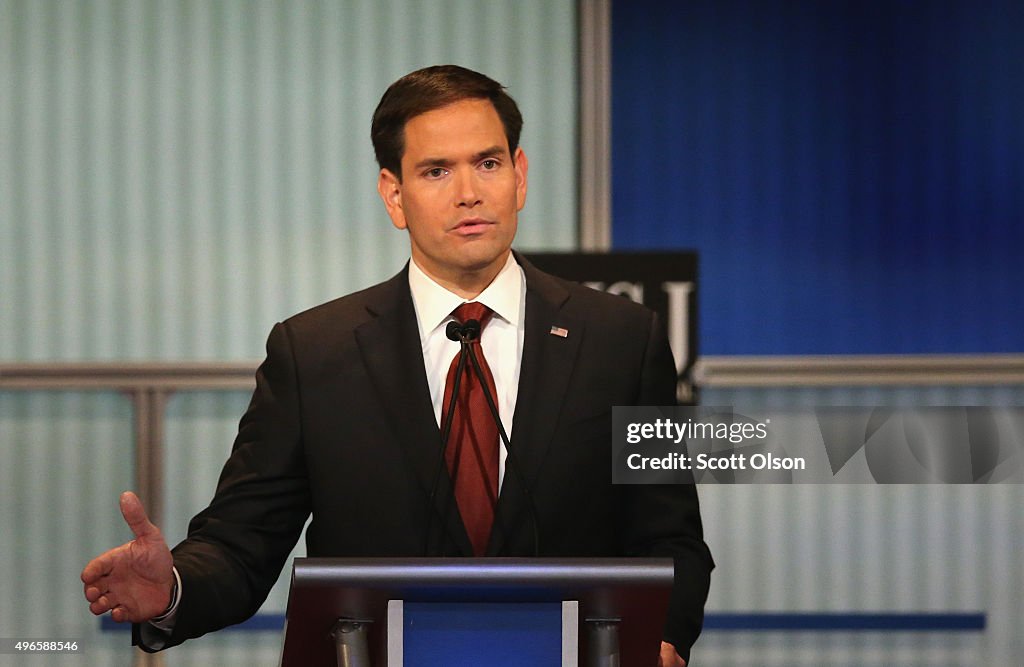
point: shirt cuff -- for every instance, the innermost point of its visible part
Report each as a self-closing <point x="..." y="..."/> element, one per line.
<point x="165" y="621"/>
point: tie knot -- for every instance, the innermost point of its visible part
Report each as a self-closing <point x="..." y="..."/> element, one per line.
<point x="473" y="311"/>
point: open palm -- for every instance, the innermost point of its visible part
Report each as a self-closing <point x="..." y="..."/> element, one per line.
<point x="132" y="581"/>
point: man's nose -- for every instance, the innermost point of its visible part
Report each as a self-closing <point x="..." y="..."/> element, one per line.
<point x="467" y="190"/>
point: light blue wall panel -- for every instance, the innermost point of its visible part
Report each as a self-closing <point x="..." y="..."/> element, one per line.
<point x="177" y="176"/>
<point x="64" y="457"/>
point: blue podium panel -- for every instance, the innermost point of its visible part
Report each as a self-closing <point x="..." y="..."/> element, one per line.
<point x="445" y="634"/>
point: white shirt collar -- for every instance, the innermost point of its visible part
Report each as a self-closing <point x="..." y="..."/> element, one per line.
<point x="434" y="304"/>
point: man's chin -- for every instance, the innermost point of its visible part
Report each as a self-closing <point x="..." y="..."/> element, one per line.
<point x="478" y="253"/>
<point x="484" y="262"/>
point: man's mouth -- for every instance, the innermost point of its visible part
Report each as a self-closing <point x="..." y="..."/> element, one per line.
<point x="472" y="226"/>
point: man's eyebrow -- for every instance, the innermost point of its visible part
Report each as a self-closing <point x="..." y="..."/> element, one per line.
<point x="433" y="162"/>
<point x="493" y="151"/>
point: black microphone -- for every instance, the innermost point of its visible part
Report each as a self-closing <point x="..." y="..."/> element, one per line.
<point x="453" y="331"/>
<point x="463" y="333"/>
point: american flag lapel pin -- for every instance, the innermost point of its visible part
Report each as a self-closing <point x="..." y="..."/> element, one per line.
<point x="559" y="331"/>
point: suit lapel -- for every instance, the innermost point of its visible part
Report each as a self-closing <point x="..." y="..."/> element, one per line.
<point x="547" y="365"/>
<point x="392" y="351"/>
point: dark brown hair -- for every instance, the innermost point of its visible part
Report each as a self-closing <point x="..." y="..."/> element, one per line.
<point x="428" y="89"/>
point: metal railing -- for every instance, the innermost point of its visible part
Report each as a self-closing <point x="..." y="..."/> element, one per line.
<point x="860" y="371"/>
<point x="149" y="385"/>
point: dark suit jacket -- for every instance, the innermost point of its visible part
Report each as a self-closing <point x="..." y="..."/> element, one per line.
<point x="341" y="425"/>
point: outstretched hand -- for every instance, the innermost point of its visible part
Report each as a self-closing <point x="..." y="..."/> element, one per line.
<point x="132" y="581"/>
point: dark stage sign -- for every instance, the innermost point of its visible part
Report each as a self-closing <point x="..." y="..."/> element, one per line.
<point x="665" y="282"/>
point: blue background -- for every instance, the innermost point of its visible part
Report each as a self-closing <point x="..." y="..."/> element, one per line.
<point x="851" y="173"/>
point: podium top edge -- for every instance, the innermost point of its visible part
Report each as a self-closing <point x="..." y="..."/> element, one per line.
<point x="473" y="572"/>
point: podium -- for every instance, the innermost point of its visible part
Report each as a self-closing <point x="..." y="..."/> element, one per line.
<point x="398" y="612"/>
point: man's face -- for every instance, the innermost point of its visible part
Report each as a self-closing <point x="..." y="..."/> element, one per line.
<point x="460" y="193"/>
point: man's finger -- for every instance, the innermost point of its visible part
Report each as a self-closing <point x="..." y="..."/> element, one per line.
<point x="97" y="567"/>
<point x="135" y="515"/>
<point x="99" y="607"/>
<point x="92" y="594"/>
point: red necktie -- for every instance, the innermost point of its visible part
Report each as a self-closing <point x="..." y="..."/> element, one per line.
<point x="472" y="453"/>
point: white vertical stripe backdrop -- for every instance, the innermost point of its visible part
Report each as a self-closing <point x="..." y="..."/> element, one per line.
<point x="176" y="176"/>
<point x="64" y="457"/>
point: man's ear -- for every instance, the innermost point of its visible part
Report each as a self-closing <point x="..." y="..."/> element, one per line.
<point x="522" y="166"/>
<point x="390" y="188"/>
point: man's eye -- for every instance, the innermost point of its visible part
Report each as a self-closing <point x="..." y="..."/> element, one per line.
<point x="436" y="172"/>
<point x="489" y="164"/>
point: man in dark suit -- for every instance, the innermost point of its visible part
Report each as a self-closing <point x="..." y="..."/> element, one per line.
<point x="350" y="403"/>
